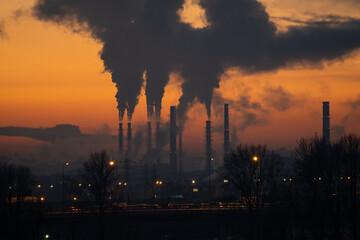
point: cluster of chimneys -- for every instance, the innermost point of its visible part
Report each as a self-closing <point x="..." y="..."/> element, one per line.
<point x="209" y="151"/>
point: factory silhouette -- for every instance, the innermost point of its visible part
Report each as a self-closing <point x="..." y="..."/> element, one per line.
<point x="170" y="172"/>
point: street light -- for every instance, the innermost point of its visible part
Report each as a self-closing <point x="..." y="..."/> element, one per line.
<point x="63" y="185"/>
<point x="111" y="163"/>
<point x="255" y="158"/>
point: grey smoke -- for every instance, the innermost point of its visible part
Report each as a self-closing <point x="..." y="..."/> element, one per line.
<point x="340" y="128"/>
<point x="279" y="98"/>
<point x="147" y="35"/>
<point x="250" y="112"/>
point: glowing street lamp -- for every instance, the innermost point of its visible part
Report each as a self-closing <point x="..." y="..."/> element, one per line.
<point x="63" y="184"/>
<point x="255" y="159"/>
<point x="111" y="163"/>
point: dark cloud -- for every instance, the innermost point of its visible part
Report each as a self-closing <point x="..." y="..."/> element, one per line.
<point x="61" y="131"/>
<point x="279" y="98"/>
<point x="147" y="35"/>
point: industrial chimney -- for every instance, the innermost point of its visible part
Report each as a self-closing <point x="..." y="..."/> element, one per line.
<point x="173" y="160"/>
<point x="326" y="122"/>
<point x="149" y="142"/>
<point x="121" y="144"/>
<point x="180" y="152"/>
<point x="208" y="153"/>
<point x="129" y="139"/>
<point x="157" y="135"/>
<point x="226" y="133"/>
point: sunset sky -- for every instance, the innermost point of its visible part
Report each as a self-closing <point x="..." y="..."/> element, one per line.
<point x="51" y="75"/>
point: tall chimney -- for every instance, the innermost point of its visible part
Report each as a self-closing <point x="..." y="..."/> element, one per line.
<point x="180" y="152"/>
<point x="157" y="135"/>
<point x="209" y="156"/>
<point x="149" y="142"/>
<point x="326" y="122"/>
<point x="129" y="139"/>
<point x="173" y="160"/>
<point x="121" y="143"/>
<point x="226" y="133"/>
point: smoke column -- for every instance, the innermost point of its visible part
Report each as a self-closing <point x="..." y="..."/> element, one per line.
<point x="326" y="122"/>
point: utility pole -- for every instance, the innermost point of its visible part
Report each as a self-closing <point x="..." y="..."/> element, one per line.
<point x="63" y="185"/>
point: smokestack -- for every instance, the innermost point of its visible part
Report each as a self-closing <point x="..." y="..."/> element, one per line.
<point x="129" y="137"/>
<point x="121" y="143"/>
<point x="226" y="133"/>
<point x="209" y="156"/>
<point x="149" y="146"/>
<point x="173" y="160"/>
<point x="326" y="122"/>
<point x="180" y="152"/>
<point x="157" y="135"/>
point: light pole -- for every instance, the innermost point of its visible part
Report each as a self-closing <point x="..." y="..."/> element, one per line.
<point x="257" y="179"/>
<point x="210" y="159"/>
<point x="63" y="184"/>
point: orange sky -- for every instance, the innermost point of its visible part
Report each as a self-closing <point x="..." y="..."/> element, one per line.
<point x="50" y="75"/>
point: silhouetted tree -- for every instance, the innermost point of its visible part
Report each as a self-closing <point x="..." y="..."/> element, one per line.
<point x="326" y="182"/>
<point x="20" y="218"/>
<point x="255" y="172"/>
<point x="97" y="179"/>
<point x="348" y="155"/>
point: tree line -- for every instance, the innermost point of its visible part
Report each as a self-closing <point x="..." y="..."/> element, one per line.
<point x="317" y="198"/>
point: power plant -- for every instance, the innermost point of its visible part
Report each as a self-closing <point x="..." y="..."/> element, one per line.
<point x="175" y="162"/>
<point x="326" y="122"/>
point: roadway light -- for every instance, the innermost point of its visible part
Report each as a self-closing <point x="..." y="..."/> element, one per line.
<point x="80" y="184"/>
<point x="51" y="186"/>
<point x="120" y="183"/>
<point x="67" y="164"/>
<point x="47" y="236"/>
<point x="111" y="163"/>
<point x="42" y="199"/>
<point x="226" y="181"/>
<point x="125" y="184"/>
<point x="74" y="198"/>
<point x="39" y="186"/>
<point x="193" y="181"/>
<point x="255" y="158"/>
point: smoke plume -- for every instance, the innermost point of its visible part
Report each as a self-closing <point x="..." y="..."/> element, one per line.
<point x="147" y="35"/>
